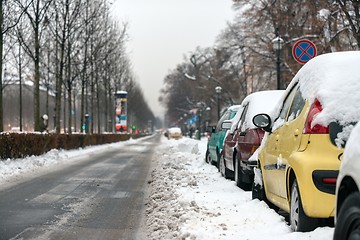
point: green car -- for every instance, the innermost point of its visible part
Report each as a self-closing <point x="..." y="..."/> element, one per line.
<point x="217" y="137"/>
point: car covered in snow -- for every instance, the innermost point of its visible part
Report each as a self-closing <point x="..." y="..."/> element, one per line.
<point x="243" y="137"/>
<point x="174" y="133"/>
<point x="217" y="136"/>
<point x="300" y="155"/>
<point x="347" y="214"/>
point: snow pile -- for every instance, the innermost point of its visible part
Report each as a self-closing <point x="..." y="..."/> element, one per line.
<point x="190" y="200"/>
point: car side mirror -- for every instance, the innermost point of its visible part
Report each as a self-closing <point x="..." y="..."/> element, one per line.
<point x="226" y="125"/>
<point x="262" y="121"/>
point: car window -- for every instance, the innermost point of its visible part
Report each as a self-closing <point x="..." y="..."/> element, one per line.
<point x="223" y="118"/>
<point x="242" y="118"/>
<point x="287" y="102"/>
<point x="297" y="105"/>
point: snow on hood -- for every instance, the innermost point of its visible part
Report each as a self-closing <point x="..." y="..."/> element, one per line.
<point x="334" y="79"/>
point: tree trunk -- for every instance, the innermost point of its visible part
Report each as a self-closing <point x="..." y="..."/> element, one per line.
<point x="20" y="89"/>
<point x="1" y="65"/>
<point x="37" y="70"/>
<point x="64" y="109"/>
<point x="69" y="87"/>
<point x="98" y="103"/>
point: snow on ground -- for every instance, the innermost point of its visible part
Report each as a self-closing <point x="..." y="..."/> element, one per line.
<point x="190" y="200"/>
<point x="13" y="171"/>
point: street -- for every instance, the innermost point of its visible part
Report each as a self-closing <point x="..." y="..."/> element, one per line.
<point x="99" y="196"/>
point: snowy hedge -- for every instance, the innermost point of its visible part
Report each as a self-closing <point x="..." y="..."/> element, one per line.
<point x="17" y="145"/>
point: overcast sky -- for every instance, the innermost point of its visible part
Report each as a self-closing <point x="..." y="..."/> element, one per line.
<point x="162" y="31"/>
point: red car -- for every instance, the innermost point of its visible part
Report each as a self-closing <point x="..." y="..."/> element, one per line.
<point x="243" y="138"/>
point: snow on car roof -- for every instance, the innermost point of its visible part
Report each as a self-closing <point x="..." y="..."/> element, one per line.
<point x="260" y="102"/>
<point x="234" y="107"/>
<point x="334" y="79"/>
<point x="174" y="130"/>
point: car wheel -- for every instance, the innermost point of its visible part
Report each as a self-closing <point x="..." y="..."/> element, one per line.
<point x="207" y="157"/>
<point x="218" y="161"/>
<point x="299" y="222"/>
<point x="225" y="172"/>
<point x="348" y="220"/>
<point x="258" y="190"/>
<point x="221" y="166"/>
<point x="239" y="176"/>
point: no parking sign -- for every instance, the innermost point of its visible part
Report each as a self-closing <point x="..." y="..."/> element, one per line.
<point x="304" y="50"/>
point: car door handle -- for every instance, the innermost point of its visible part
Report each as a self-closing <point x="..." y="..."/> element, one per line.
<point x="296" y="132"/>
<point x="242" y="134"/>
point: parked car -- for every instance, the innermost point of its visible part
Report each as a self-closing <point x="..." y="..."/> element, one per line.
<point x="217" y="136"/>
<point x="347" y="214"/>
<point x="242" y="140"/>
<point x="300" y="156"/>
<point x="174" y="133"/>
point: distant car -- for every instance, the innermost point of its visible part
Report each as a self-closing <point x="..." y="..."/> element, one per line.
<point x="300" y="156"/>
<point x="217" y="136"/>
<point x="174" y="133"/>
<point x="347" y="214"/>
<point x="243" y="140"/>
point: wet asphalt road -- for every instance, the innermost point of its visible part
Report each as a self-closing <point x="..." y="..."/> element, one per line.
<point x="101" y="197"/>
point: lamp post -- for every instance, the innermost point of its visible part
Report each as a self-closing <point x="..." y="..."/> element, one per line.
<point x="277" y="45"/>
<point x="218" y="92"/>
<point x="200" y="106"/>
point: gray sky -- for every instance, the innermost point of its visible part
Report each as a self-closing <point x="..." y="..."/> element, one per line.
<point x="162" y="31"/>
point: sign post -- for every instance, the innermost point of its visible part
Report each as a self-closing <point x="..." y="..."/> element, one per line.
<point x="121" y="111"/>
<point x="304" y="50"/>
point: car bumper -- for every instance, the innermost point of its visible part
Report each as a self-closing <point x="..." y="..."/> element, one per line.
<point x="311" y="167"/>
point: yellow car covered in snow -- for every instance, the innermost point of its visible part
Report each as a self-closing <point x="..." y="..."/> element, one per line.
<point x="300" y="156"/>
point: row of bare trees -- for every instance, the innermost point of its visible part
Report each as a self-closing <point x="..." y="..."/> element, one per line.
<point x="75" y="51"/>
<point x="243" y="60"/>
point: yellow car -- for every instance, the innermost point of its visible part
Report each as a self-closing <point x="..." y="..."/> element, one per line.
<point x="299" y="159"/>
<point x="174" y="133"/>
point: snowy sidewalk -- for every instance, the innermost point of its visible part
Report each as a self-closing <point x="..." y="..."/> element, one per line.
<point x="190" y="200"/>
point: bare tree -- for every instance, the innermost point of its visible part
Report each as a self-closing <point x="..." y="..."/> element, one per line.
<point x="35" y="12"/>
<point x="351" y="10"/>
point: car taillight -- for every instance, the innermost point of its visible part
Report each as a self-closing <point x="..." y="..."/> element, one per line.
<point x="253" y="149"/>
<point x="315" y="109"/>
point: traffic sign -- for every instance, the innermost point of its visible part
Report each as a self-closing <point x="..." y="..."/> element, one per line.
<point x="304" y="50"/>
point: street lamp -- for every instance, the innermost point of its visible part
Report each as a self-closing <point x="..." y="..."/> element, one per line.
<point x="277" y="45"/>
<point x="207" y="121"/>
<point x="218" y="91"/>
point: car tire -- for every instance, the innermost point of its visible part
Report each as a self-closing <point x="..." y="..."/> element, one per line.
<point x="348" y="221"/>
<point x="218" y="162"/>
<point x="238" y="176"/>
<point x="258" y="192"/>
<point x="225" y="172"/>
<point x="299" y="221"/>
<point x="208" y="157"/>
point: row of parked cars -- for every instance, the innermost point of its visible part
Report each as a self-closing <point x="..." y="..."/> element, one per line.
<point x="288" y="146"/>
